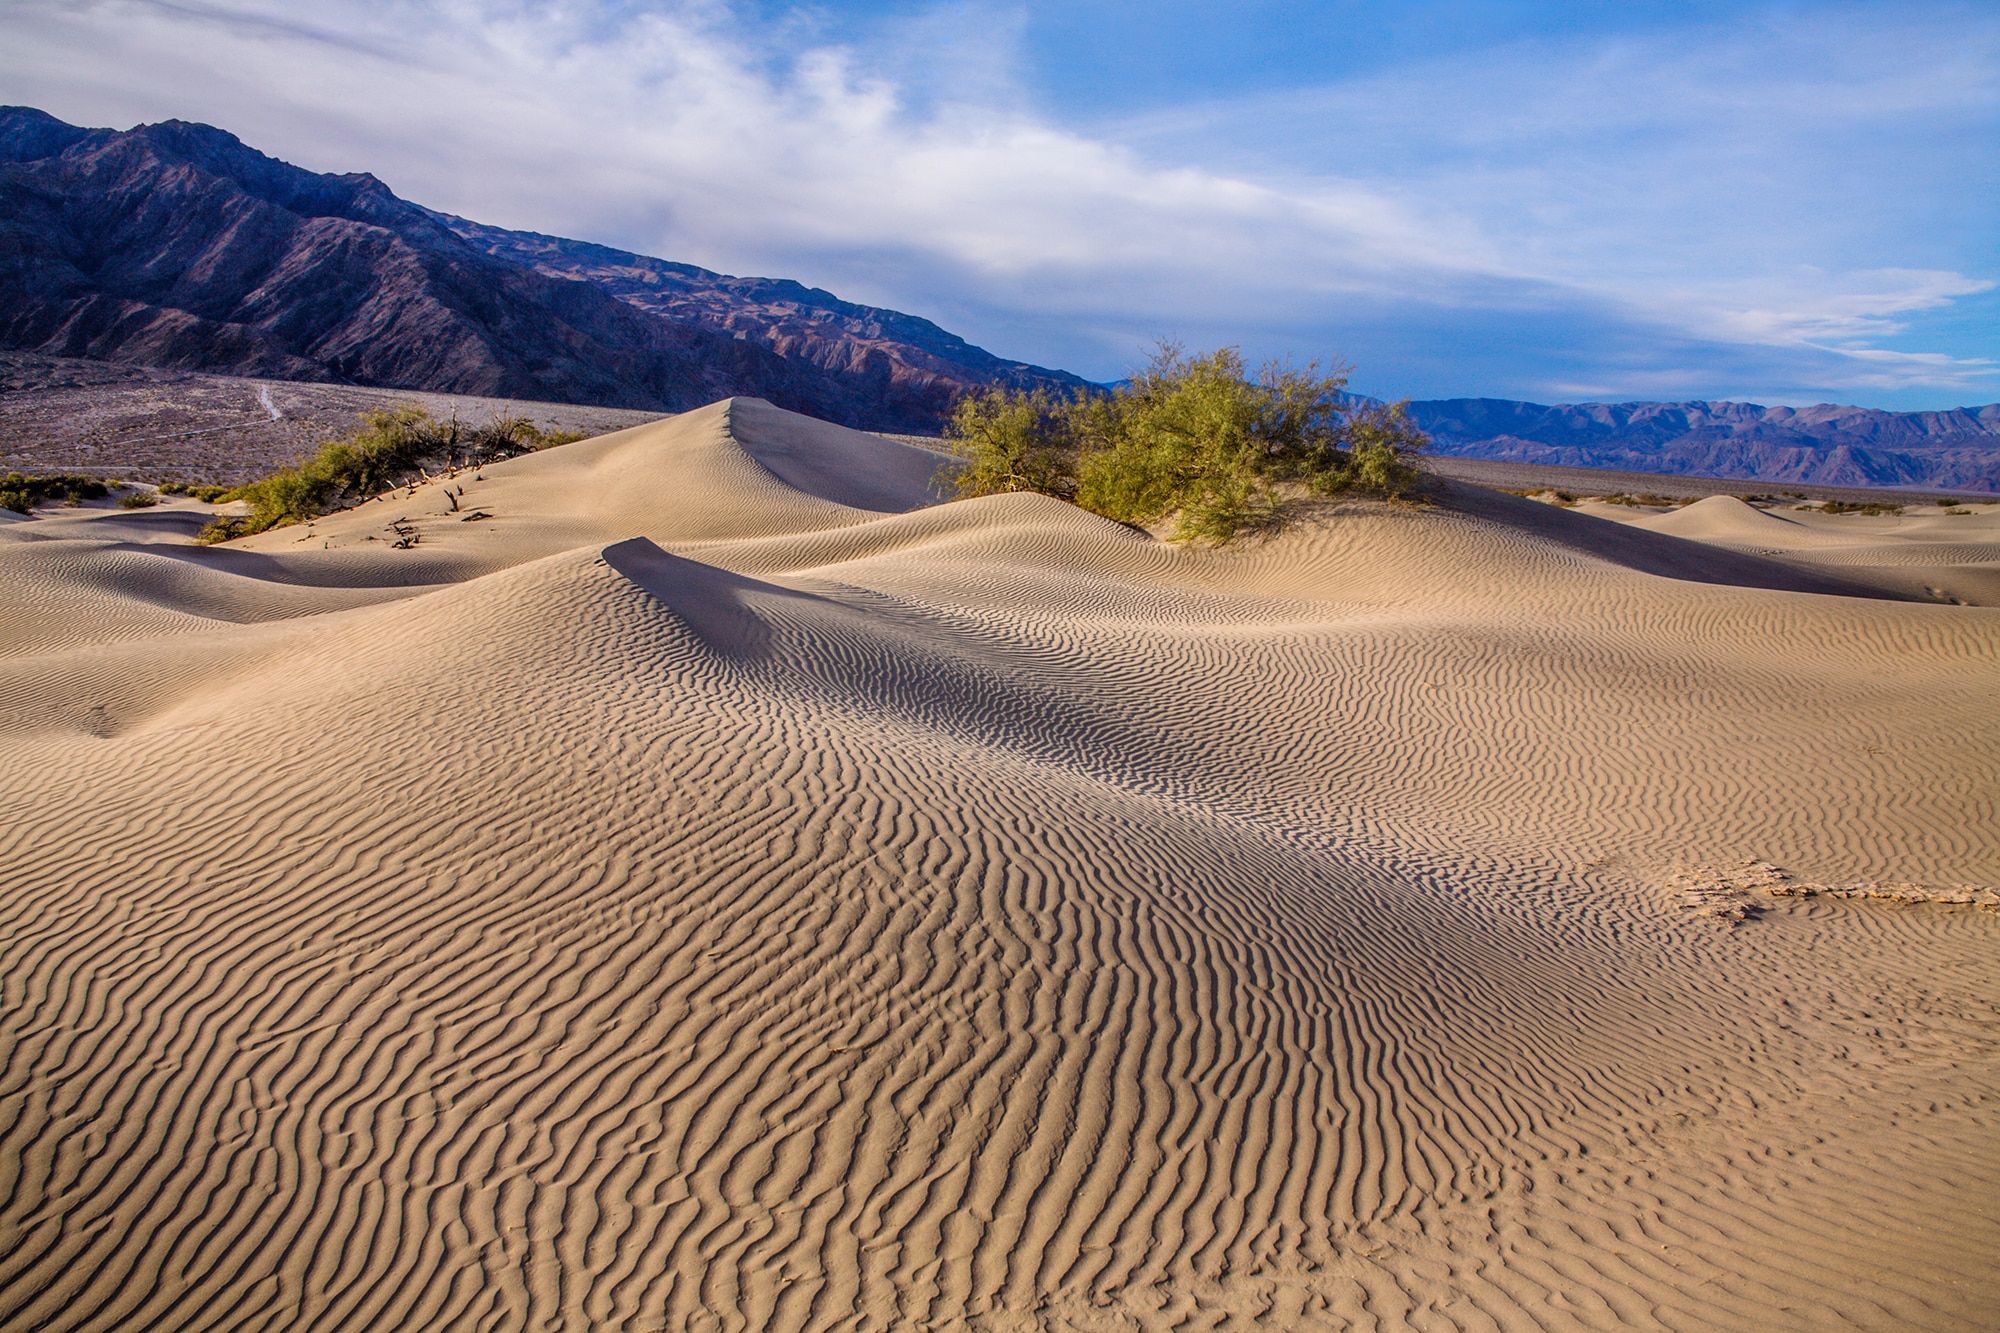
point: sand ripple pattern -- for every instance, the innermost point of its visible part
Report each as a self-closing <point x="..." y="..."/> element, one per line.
<point x="986" y="918"/>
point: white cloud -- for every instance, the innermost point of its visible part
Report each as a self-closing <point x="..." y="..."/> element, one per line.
<point x="1742" y="184"/>
<point x="1535" y="178"/>
<point x="1819" y="309"/>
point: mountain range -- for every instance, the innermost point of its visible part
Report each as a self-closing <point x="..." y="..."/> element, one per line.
<point x="1823" y="446"/>
<point x="177" y="245"/>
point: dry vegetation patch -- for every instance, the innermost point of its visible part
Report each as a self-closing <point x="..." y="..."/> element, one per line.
<point x="390" y="449"/>
<point x="24" y="493"/>
<point x="1195" y="439"/>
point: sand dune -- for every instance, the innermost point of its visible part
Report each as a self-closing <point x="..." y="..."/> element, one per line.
<point x="722" y="890"/>
<point x="1926" y="554"/>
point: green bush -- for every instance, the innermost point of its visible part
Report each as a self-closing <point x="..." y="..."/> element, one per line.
<point x="206" y="494"/>
<point x="21" y="494"/>
<point x="138" y="500"/>
<point x="389" y="450"/>
<point x="1196" y="438"/>
<point x="209" y="495"/>
<point x="1013" y="442"/>
<point x="1648" y="499"/>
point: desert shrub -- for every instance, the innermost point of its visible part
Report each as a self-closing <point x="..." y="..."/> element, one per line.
<point x="22" y="493"/>
<point x="1379" y="443"/>
<point x="1196" y="438"/>
<point x="1192" y="436"/>
<point x="138" y="500"/>
<point x="1867" y="507"/>
<point x="505" y="437"/>
<point x="206" y="494"/>
<point x="1648" y="499"/>
<point x="1012" y="442"/>
<point x="390" y="449"/>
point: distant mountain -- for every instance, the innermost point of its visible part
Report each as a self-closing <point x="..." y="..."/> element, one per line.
<point x="1824" y="445"/>
<point x="885" y="355"/>
<point x="176" y="245"/>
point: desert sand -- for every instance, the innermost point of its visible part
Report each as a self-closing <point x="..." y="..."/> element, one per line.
<point x="1931" y="552"/>
<point x="723" y="888"/>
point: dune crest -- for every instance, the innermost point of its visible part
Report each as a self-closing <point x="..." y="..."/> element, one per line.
<point x="724" y="890"/>
<point x="1925" y="553"/>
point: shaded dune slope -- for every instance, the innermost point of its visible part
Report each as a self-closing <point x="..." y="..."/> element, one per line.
<point x="1703" y="551"/>
<point x="720" y="891"/>
<point x="1923" y="555"/>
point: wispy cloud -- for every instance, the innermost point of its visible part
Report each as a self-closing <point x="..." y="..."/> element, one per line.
<point x="1704" y="208"/>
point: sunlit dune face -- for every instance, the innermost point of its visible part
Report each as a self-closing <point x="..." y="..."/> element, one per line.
<point x="726" y="887"/>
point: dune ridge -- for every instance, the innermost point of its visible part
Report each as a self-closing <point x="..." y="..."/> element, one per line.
<point x="688" y="900"/>
<point x="1926" y="554"/>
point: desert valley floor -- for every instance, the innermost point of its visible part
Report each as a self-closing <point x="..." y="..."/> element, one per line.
<point x="721" y="889"/>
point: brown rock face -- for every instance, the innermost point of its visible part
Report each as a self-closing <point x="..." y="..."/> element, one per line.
<point x="175" y="245"/>
<point x="908" y="366"/>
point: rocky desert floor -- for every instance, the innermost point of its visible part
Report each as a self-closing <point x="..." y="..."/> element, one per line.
<point x="702" y="882"/>
<point x="139" y="423"/>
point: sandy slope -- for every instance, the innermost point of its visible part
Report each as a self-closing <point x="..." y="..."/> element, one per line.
<point x="1927" y="553"/>
<point x="719" y="891"/>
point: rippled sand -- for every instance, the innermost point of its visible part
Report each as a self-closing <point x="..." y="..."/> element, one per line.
<point x="719" y="890"/>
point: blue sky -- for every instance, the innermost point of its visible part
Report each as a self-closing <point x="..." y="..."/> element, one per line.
<point x="1560" y="202"/>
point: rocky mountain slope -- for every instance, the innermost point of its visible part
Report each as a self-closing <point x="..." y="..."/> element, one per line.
<point x="885" y="356"/>
<point x="176" y="245"/>
<point x="1823" y="445"/>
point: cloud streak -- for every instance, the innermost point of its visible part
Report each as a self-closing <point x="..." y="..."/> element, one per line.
<point x="1663" y="199"/>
